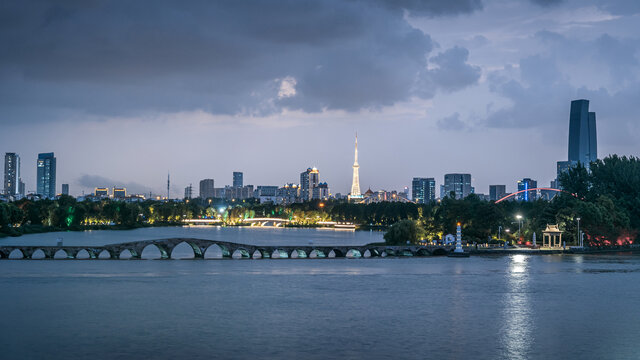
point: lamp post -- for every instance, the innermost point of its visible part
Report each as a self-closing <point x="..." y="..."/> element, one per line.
<point x="499" y="231"/>
<point x="578" y="239"/>
<point x="519" y="217"/>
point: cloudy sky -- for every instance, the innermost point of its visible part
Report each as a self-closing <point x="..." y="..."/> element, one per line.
<point x="124" y="92"/>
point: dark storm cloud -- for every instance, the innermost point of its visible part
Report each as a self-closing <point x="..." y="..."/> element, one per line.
<point x="543" y="85"/>
<point x="225" y="57"/>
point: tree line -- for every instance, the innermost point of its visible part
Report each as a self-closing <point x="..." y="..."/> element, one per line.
<point x="605" y="198"/>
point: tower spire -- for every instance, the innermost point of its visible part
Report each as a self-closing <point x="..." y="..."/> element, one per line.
<point x="168" y="183"/>
<point x="355" y="185"/>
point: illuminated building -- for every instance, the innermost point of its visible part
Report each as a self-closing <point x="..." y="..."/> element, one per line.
<point x="423" y="190"/>
<point x="119" y="193"/>
<point x="101" y="192"/>
<point x="526" y="184"/>
<point x="309" y="180"/>
<point x="459" y="184"/>
<point x="288" y="194"/>
<point x="46" y="175"/>
<point x="355" y="183"/>
<point x="11" y="174"/>
<point x="321" y="192"/>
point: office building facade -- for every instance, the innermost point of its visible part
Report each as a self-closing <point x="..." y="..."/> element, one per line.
<point x="65" y="189"/>
<point x="583" y="146"/>
<point x="309" y="180"/>
<point x="497" y="192"/>
<point x="525" y="185"/>
<point x="238" y="180"/>
<point x="423" y="190"/>
<point x="459" y="184"/>
<point x="46" y="175"/>
<point x="207" y="189"/>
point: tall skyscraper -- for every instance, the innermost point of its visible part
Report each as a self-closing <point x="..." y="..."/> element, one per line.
<point x="355" y="184"/>
<point x="497" y="192"/>
<point x="526" y="184"/>
<point x="207" y="189"/>
<point x="583" y="145"/>
<point x="46" y="175"/>
<point x="423" y="190"/>
<point x="237" y="179"/>
<point x="460" y="184"/>
<point x="11" y="174"/>
<point x="309" y="180"/>
<point x="65" y="189"/>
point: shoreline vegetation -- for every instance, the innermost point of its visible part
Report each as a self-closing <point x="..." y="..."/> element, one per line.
<point x="606" y="198"/>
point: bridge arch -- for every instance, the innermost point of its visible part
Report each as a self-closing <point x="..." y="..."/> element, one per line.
<point x="106" y="254"/>
<point x="84" y="254"/>
<point x="534" y="189"/>
<point x="298" y="254"/>
<point x="216" y="251"/>
<point x="129" y="253"/>
<point x="241" y="253"/>
<point x="279" y="254"/>
<point x="422" y="252"/>
<point x="317" y="254"/>
<point x="353" y="254"/>
<point x="17" y="253"/>
<point x="154" y="251"/>
<point x="38" y="254"/>
<point x="336" y="253"/>
<point x="64" y="254"/>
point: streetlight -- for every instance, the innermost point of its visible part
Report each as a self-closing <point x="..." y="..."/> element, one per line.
<point x="499" y="230"/>
<point x="519" y="217"/>
<point x="578" y="239"/>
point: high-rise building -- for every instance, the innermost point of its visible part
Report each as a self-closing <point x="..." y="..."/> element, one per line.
<point x="207" y="189"/>
<point x="460" y="184"/>
<point x="65" y="189"/>
<point x="237" y="179"/>
<point x="583" y="146"/>
<point x="355" y="183"/>
<point x="497" y="192"/>
<point x="46" y="173"/>
<point x="119" y="193"/>
<point x="524" y="185"/>
<point x="423" y="190"/>
<point x="188" y="192"/>
<point x="309" y="180"/>
<point x="11" y="174"/>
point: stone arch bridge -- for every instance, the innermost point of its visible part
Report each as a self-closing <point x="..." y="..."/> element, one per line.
<point x="228" y="249"/>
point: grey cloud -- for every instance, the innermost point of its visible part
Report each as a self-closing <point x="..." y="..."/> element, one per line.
<point x="93" y="181"/>
<point x="546" y="3"/>
<point x="121" y="58"/>
<point x="451" y="123"/>
<point x="453" y="72"/>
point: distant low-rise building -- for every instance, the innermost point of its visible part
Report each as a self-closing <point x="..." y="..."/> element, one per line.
<point x="101" y="192"/>
<point x="119" y="193"/>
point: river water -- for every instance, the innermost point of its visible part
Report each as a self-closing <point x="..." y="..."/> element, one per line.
<point x="483" y="307"/>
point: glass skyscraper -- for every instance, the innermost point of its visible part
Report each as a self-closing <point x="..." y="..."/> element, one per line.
<point x="423" y="190"/>
<point x="460" y="184"/>
<point x="46" y="175"/>
<point x="583" y="146"/>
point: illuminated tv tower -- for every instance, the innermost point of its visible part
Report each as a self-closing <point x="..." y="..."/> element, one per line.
<point x="355" y="185"/>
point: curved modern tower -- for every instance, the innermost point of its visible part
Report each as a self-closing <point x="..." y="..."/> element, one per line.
<point x="355" y="185"/>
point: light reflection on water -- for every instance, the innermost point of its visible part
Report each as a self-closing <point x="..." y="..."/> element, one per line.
<point x="518" y="328"/>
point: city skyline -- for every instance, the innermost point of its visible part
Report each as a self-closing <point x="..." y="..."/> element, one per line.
<point x="463" y="87"/>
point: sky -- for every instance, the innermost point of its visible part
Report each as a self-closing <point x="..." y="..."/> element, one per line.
<point x="126" y="92"/>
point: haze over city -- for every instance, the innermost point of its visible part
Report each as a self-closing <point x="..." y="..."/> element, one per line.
<point x="480" y="87"/>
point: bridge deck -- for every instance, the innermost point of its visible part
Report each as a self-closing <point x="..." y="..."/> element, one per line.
<point x="229" y="250"/>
